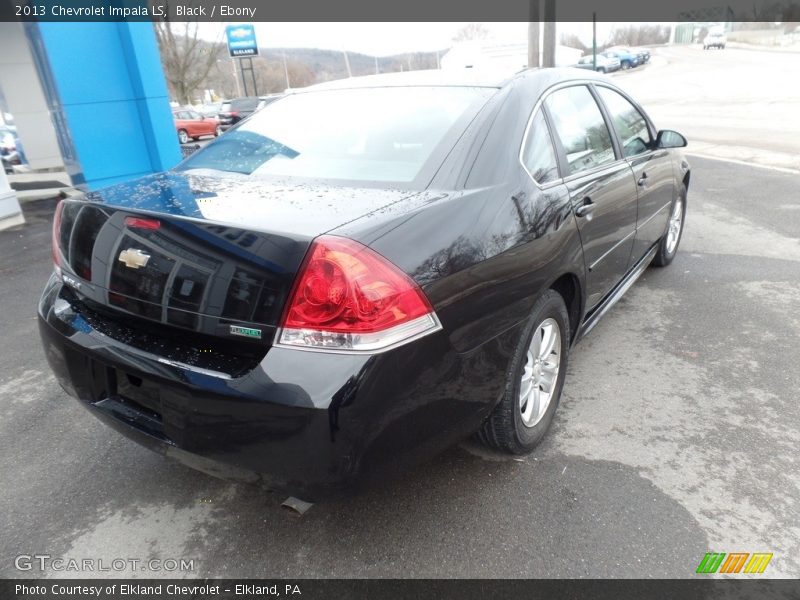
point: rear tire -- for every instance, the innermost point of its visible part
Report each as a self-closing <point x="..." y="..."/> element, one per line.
<point x="668" y="246"/>
<point x="183" y="136"/>
<point x="508" y="428"/>
<point x="626" y="64"/>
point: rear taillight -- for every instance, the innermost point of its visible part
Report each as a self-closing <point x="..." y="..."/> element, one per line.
<point x="57" y="262"/>
<point x="349" y="297"/>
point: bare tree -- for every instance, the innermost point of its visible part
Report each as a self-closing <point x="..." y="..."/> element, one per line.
<point x="573" y="41"/>
<point x="471" y="31"/>
<point x="187" y="58"/>
<point x="271" y="74"/>
<point x="639" y="35"/>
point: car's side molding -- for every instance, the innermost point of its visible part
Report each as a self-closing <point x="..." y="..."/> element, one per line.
<point x="592" y="318"/>
<point x="654" y="215"/>
<point x="610" y="250"/>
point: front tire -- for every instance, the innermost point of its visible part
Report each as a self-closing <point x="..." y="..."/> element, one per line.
<point x="626" y="64"/>
<point x="668" y="246"/>
<point x="534" y="380"/>
<point x="183" y="136"/>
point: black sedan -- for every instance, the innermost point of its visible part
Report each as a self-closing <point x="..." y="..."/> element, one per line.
<point x="362" y="273"/>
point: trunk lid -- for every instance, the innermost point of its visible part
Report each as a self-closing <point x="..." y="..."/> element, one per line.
<point x="186" y="254"/>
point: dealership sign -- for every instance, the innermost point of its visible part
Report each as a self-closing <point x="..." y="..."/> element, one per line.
<point x="241" y="40"/>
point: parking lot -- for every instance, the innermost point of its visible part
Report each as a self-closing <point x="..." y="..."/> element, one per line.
<point x="677" y="433"/>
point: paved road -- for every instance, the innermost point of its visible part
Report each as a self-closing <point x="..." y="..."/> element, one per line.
<point x="678" y="434"/>
<point x="732" y="103"/>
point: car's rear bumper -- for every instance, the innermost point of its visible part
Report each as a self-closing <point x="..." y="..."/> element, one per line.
<point x="305" y="422"/>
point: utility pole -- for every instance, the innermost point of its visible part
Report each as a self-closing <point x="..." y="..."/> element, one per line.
<point x="286" y="71"/>
<point x="376" y="65"/>
<point x="594" y="41"/>
<point x="549" y="58"/>
<point x="533" y="35"/>
<point x="347" y="63"/>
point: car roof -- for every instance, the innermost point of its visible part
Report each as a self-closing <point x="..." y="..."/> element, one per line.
<point x="430" y="77"/>
<point x="450" y="78"/>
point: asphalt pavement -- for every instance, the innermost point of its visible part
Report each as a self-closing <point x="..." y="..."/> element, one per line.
<point x="677" y="435"/>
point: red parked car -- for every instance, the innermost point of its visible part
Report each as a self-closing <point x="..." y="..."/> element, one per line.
<point x="191" y="125"/>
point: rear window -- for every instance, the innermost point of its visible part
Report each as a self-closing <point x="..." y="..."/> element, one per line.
<point x="369" y="134"/>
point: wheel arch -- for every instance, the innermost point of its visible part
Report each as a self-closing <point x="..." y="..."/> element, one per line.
<point x="569" y="288"/>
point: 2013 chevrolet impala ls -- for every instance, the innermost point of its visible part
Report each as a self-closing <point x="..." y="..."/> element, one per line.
<point x="362" y="273"/>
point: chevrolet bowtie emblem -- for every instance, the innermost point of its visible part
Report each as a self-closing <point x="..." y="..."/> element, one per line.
<point x="133" y="258"/>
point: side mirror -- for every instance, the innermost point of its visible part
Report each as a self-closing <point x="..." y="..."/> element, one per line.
<point x="667" y="138"/>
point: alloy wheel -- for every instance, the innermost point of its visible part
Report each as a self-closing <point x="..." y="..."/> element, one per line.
<point x="675" y="225"/>
<point x="539" y="377"/>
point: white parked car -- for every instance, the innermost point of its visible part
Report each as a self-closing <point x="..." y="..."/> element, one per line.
<point x="715" y="38"/>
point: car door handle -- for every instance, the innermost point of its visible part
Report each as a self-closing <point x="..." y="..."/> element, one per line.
<point x="642" y="180"/>
<point x="586" y="207"/>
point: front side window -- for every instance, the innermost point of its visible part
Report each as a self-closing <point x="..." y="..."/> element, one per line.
<point x="630" y="124"/>
<point x="538" y="155"/>
<point x="366" y="134"/>
<point x="580" y="126"/>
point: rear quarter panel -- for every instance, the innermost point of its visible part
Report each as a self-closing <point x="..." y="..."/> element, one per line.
<point x="484" y="253"/>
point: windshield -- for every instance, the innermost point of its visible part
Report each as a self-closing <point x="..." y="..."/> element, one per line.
<point x="368" y="134"/>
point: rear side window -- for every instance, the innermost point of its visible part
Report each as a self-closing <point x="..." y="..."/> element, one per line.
<point x="630" y="124"/>
<point x="366" y="134"/>
<point x="581" y="128"/>
<point x="538" y="156"/>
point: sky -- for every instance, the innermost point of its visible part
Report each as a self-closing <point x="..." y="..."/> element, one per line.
<point x="384" y="39"/>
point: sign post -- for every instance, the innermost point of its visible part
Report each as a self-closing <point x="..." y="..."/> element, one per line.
<point x="242" y="45"/>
